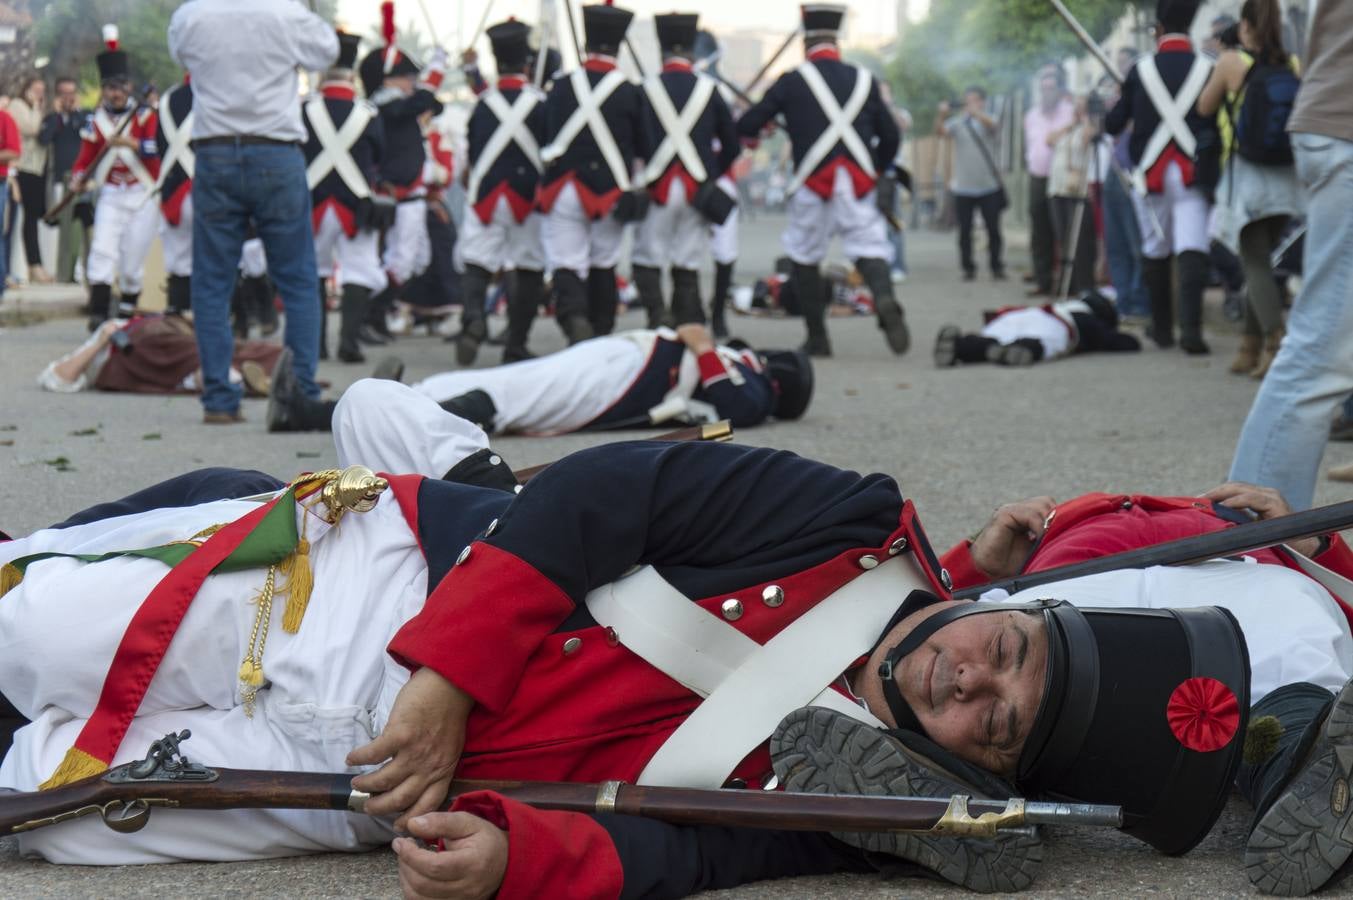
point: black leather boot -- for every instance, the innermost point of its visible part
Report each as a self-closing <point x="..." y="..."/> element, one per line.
<point x="813" y="302"/>
<point x="1193" y="273"/>
<point x="528" y="289"/>
<point x="723" y="284"/>
<point x="1158" y="276"/>
<point x="351" y="315"/>
<point x="100" y="304"/>
<point x="323" y="320"/>
<point x="687" y="308"/>
<point x="179" y="295"/>
<point x="126" y="304"/>
<point x="475" y="289"/>
<point x="648" y="282"/>
<point x="570" y="306"/>
<point x="892" y="322"/>
<point x="602" y="299"/>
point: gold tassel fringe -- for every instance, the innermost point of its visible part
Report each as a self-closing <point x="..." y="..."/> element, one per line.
<point x="76" y="766"/>
<point x="10" y="577"/>
<point x="300" y="584"/>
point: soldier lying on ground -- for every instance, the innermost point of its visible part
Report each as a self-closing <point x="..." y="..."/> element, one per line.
<point x="152" y="355"/>
<point x="517" y="649"/>
<point x="1024" y="335"/>
<point x="633" y="379"/>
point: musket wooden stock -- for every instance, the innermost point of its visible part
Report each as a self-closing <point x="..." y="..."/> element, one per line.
<point x="716" y="431"/>
<point x="114" y="792"/>
<point x="1214" y="545"/>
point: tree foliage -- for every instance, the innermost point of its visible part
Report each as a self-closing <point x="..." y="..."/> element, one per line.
<point x="997" y="44"/>
<point x="70" y="34"/>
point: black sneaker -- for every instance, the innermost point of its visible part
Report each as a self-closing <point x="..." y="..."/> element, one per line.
<point x="818" y="751"/>
<point x="1307" y="834"/>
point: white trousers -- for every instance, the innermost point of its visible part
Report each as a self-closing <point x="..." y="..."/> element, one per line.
<point x="813" y="222"/>
<point x="574" y="240"/>
<point x="1031" y="322"/>
<point x="552" y="394"/>
<point x="408" y="251"/>
<point x="672" y="234"/>
<point x="330" y="686"/>
<point x="124" y="227"/>
<point x="390" y="427"/>
<point x="357" y="258"/>
<point x="723" y="239"/>
<point x="177" y="241"/>
<point x="253" y="259"/>
<point x="1175" y="220"/>
<point x="504" y="243"/>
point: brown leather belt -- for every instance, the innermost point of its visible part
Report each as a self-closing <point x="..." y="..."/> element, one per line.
<point x="242" y="140"/>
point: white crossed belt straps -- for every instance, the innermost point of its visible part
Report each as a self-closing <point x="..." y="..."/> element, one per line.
<point x="678" y="127"/>
<point x="840" y="123"/>
<point x="336" y="146"/>
<point x="178" y="138"/>
<point x="588" y="115"/>
<point x="107" y="127"/>
<point x="748" y="687"/>
<point x="1173" y="110"/>
<point x="511" y="129"/>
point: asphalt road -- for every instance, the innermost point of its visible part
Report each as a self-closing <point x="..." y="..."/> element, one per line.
<point x="960" y="442"/>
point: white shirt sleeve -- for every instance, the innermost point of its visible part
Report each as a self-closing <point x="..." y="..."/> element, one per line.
<point x="316" y="41"/>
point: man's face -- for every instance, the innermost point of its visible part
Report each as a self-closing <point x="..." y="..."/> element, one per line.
<point x="975" y="685"/>
<point x="65" y="96"/>
<point x="1049" y="91"/>
<point x="974" y="102"/>
<point x="115" y="95"/>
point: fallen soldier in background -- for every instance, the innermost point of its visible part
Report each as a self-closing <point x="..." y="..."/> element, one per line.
<point x="1024" y="335"/>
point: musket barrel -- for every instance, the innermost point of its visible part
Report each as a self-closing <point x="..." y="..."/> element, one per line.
<point x="1038" y="813"/>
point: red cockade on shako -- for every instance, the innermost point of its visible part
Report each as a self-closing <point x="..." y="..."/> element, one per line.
<point x="1203" y="714"/>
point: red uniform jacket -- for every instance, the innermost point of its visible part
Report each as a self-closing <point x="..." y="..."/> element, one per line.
<point x="100" y="126"/>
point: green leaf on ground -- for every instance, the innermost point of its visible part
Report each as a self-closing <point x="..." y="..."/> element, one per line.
<point x="152" y="436"/>
<point x="9" y="427"/>
<point x="308" y="454"/>
<point x="85" y="432"/>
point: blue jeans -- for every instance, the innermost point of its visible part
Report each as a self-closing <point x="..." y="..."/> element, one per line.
<point x="1285" y="433"/>
<point x="235" y="185"/>
<point x="1123" y="248"/>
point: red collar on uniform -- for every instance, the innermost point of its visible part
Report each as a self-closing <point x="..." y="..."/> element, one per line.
<point x="824" y="51"/>
<point x="599" y="62"/>
<point x="511" y="83"/>
<point x="677" y="64"/>
<point x="338" y="90"/>
<point x="1174" y="43"/>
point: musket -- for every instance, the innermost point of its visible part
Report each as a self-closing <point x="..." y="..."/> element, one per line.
<point x="125" y="796"/>
<point x="720" y="431"/>
<point x="53" y="214"/>
<point x="1228" y="542"/>
<point x="1090" y="43"/>
<point x="761" y="73"/>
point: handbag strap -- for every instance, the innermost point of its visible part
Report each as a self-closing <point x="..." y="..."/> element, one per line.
<point x="986" y="153"/>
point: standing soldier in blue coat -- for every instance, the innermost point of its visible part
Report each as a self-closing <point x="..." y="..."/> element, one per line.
<point x="343" y="150"/>
<point x="844" y="139"/>
<point x="594" y="122"/>
<point x="173" y="143"/>
<point x="403" y="91"/>
<point x="501" y="228"/>
<point x="695" y="142"/>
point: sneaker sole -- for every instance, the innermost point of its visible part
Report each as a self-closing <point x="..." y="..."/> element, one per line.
<point x="1306" y="836"/>
<point x="816" y="751"/>
<point x="946" y="346"/>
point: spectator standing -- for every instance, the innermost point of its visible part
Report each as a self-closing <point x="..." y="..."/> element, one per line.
<point x="1255" y="200"/>
<point x="1285" y="433"/>
<point x="1068" y="192"/>
<point x="10" y="147"/>
<point x="1122" y="231"/>
<point x="60" y="134"/>
<point x="1053" y="111"/>
<point x="976" y="181"/>
<point x="247" y="136"/>
<point x="27" y="111"/>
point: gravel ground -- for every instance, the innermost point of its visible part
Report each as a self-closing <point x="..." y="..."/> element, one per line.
<point x="960" y="442"/>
